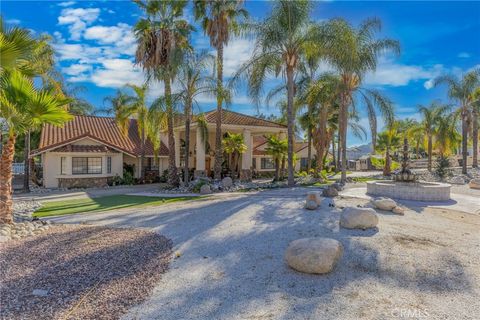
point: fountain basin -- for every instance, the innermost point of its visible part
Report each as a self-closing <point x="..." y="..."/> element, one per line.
<point x="419" y="191"/>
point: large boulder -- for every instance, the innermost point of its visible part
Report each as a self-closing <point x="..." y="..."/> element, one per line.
<point x="398" y="210"/>
<point x="474" y="184"/>
<point x="457" y="180"/>
<point x="313" y="255"/>
<point x="358" y="218"/>
<point x="205" y="189"/>
<point x="311" y="205"/>
<point x="227" y="182"/>
<point x="386" y="204"/>
<point x="314" y="196"/>
<point x="330" y="192"/>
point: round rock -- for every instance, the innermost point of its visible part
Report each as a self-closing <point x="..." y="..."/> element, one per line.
<point x="227" y="182"/>
<point x="311" y="205"/>
<point x="398" y="210"/>
<point x="386" y="204"/>
<point x="474" y="184"/>
<point x="205" y="189"/>
<point x="314" y="196"/>
<point x="313" y="255"/>
<point x="358" y="218"/>
<point x="330" y="192"/>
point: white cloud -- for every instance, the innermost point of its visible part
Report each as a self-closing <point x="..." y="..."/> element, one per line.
<point x="77" y="69"/>
<point x="116" y="73"/>
<point x="13" y="21"/>
<point x="464" y="55"/>
<point x="77" y="20"/>
<point x="235" y="54"/>
<point x="66" y="3"/>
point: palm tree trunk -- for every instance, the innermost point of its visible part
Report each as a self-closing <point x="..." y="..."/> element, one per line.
<point x="475" y="138"/>
<point x="322" y="137"/>
<point x="290" y="122"/>
<point x="188" y="109"/>
<point x="26" y="170"/>
<point x="339" y="153"/>
<point x="429" y="147"/>
<point x="464" y="139"/>
<point x="6" y="162"/>
<point x="309" y="138"/>
<point x="342" y="128"/>
<point x="277" y="170"/>
<point x="386" y="168"/>
<point x="333" y="152"/>
<point x="282" y="168"/>
<point x="172" y="168"/>
<point x="218" y="120"/>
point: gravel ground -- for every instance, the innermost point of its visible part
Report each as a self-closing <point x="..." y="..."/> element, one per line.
<point x="80" y="272"/>
<point x="230" y="261"/>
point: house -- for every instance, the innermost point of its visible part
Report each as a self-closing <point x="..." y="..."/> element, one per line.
<point x="91" y="150"/>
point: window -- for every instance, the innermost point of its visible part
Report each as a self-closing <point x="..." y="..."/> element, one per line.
<point x="109" y="164"/>
<point x="63" y="165"/>
<point x="86" y="165"/>
<point x="254" y="163"/>
<point x="267" y="163"/>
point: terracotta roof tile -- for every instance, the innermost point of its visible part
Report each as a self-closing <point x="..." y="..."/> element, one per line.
<point x="103" y="129"/>
<point x="235" y="118"/>
<point x="84" y="148"/>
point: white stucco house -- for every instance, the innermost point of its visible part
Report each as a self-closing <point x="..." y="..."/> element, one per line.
<point x="91" y="150"/>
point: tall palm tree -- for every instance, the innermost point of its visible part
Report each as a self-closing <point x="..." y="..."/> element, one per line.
<point x="461" y="90"/>
<point x="22" y="106"/>
<point x="353" y="53"/>
<point x="388" y="141"/>
<point x="475" y="125"/>
<point x="219" y="19"/>
<point x="430" y="117"/>
<point x="281" y="40"/>
<point x="234" y="146"/>
<point x="194" y="82"/>
<point x="278" y="149"/>
<point x="446" y="134"/>
<point x="162" y="39"/>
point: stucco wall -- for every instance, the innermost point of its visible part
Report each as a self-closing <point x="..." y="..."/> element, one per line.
<point x="52" y="166"/>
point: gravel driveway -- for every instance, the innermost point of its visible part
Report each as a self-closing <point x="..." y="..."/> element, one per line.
<point x="230" y="262"/>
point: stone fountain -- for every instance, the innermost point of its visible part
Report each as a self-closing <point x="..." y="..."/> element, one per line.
<point x="404" y="185"/>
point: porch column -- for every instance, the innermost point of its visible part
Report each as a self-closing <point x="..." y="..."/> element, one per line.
<point x="200" y="156"/>
<point x="176" y="137"/>
<point x="246" y="172"/>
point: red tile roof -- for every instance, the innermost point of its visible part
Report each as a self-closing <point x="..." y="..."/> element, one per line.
<point x="84" y="148"/>
<point x="235" y="118"/>
<point x="102" y="129"/>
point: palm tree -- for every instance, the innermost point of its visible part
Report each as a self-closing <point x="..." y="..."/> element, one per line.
<point x="353" y="53"/>
<point x="475" y="125"/>
<point x="281" y="40"/>
<point x="193" y="83"/>
<point x="446" y="134"/>
<point x="162" y="39"/>
<point x="388" y="141"/>
<point x="234" y="146"/>
<point x="23" y="106"/>
<point x="430" y="117"/>
<point x="461" y="90"/>
<point x="278" y="149"/>
<point x="219" y="18"/>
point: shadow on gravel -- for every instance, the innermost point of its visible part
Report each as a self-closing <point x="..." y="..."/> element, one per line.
<point x="86" y="272"/>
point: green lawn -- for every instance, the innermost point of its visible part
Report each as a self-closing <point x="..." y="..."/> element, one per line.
<point x="56" y="208"/>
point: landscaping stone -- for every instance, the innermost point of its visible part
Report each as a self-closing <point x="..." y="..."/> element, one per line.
<point x="311" y="205"/>
<point x="315" y="196"/>
<point x="313" y="255"/>
<point x="205" y="189"/>
<point x="386" y="204"/>
<point x="4" y="238"/>
<point x="337" y="186"/>
<point x="474" y="184"/>
<point x="227" y="182"/>
<point x="330" y="192"/>
<point x="398" y="210"/>
<point x="457" y="180"/>
<point x="358" y="218"/>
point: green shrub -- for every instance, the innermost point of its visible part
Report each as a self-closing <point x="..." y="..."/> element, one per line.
<point x="127" y="178"/>
<point x="442" y="165"/>
<point x="201" y="182"/>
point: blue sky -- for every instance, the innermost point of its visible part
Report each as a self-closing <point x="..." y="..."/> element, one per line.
<point x="95" y="45"/>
